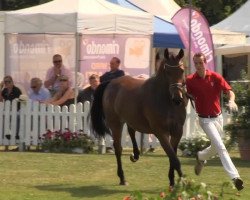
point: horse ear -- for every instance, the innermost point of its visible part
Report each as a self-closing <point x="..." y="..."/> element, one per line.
<point x="180" y="54"/>
<point x="166" y="53"/>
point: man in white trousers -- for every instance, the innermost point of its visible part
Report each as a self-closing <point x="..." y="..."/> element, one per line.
<point x="206" y="86"/>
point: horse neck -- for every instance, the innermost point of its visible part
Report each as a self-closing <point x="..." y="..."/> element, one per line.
<point x="160" y="85"/>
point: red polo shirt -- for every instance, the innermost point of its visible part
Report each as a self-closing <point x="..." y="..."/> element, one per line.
<point x="206" y="92"/>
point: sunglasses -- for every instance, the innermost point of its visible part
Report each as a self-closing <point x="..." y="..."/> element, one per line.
<point x="63" y="80"/>
<point x="33" y="87"/>
<point x="7" y="81"/>
<point x="57" y="61"/>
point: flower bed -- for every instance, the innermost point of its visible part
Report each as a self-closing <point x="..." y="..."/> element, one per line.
<point x="185" y="190"/>
<point x="66" y="142"/>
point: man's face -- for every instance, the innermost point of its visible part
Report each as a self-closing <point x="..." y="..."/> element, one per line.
<point x="94" y="83"/>
<point x="57" y="61"/>
<point x="114" y="65"/>
<point x="200" y="65"/>
<point x="35" y="86"/>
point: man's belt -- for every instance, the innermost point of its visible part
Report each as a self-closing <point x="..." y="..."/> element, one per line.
<point x="209" y="116"/>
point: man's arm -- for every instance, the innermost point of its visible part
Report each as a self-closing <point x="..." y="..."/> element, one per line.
<point x="231" y="102"/>
<point x="231" y="95"/>
<point x="50" y="79"/>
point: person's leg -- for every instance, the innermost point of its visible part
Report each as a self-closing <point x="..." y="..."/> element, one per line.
<point x="211" y="128"/>
<point x="109" y="143"/>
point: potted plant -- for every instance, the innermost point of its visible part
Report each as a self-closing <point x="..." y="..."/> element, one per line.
<point x="239" y="127"/>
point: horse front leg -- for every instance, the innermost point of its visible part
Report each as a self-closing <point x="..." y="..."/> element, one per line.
<point x="117" y="133"/>
<point x="173" y="159"/>
<point x="174" y="143"/>
<point x="136" y="153"/>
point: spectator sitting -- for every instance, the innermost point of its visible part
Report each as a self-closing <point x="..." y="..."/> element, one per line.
<point x="37" y="92"/>
<point x="88" y="93"/>
<point x="9" y="90"/>
<point x="52" y="81"/>
<point x="114" y="72"/>
<point x="65" y="94"/>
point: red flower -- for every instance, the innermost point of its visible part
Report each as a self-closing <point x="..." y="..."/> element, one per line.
<point x="162" y="194"/>
<point x="127" y="198"/>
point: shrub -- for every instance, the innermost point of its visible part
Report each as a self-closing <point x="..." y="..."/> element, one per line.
<point x="191" y="146"/>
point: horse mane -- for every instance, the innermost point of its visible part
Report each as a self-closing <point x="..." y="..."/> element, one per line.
<point x="161" y="67"/>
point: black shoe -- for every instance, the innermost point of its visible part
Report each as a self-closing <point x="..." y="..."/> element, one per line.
<point x="17" y="137"/>
<point x="238" y="183"/>
<point x="8" y="136"/>
<point x="151" y="149"/>
<point x="199" y="166"/>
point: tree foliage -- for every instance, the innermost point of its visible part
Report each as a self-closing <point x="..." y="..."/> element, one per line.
<point x="214" y="10"/>
<point x="19" y="4"/>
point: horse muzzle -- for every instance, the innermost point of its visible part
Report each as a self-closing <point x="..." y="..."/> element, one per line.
<point x="177" y="98"/>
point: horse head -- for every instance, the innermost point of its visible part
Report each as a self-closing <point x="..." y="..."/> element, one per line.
<point x="173" y="69"/>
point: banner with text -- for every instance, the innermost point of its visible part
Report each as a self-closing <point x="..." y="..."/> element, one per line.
<point x="201" y="38"/>
<point x="97" y="51"/>
<point x="30" y="55"/>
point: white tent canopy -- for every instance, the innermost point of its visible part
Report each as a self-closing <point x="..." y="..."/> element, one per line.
<point x="238" y="21"/>
<point x="81" y="16"/>
<point x="165" y="9"/>
<point x="74" y="20"/>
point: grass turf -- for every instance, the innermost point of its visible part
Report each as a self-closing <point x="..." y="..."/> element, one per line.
<point x="48" y="176"/>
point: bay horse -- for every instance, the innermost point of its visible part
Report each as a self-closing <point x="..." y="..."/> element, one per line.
<point x="156" y="105"/>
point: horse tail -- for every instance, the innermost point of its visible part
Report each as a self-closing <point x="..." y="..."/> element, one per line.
<point x="96" y="112"/>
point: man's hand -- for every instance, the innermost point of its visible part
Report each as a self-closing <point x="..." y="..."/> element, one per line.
<point x="232" y="106"/>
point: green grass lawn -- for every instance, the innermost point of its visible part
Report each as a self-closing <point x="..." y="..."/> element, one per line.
<point x="46" y="176"/>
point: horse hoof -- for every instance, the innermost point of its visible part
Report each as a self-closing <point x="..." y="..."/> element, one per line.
<point x="124" y="183"/>
<point x="171" y="188"/>
<point x="132" y="158"/>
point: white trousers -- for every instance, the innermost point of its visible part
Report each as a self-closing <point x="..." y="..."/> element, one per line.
<point x="213" y="127"/>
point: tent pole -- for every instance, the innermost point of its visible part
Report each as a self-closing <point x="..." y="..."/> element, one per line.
<point x="77" y="67"/>
<point x="77" y="64"/>
<point x="189" y="38"/>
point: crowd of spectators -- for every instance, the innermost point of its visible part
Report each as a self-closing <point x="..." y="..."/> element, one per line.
<point x="58" y="88"/>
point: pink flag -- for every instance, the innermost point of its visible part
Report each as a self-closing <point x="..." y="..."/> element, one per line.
<point x="201" y="38"/>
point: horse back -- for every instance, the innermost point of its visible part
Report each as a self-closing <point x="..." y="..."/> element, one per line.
<point x="122" y="102"/>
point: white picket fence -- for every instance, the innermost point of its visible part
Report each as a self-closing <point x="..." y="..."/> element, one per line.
<point x="34" y="119"/>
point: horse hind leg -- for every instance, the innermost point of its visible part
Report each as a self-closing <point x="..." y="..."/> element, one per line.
<point x="136" y="153"/>
<point x="117" y="133"/>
